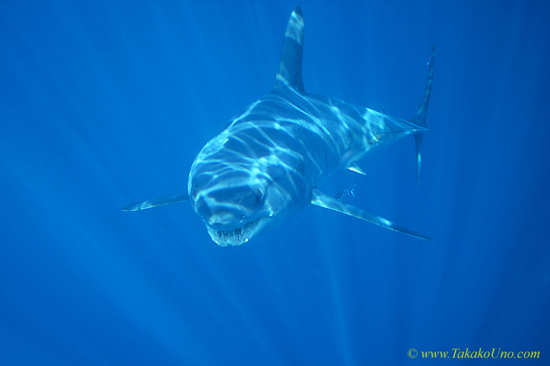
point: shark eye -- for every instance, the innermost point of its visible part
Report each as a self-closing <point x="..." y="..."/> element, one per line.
<point x="259" y="196"/>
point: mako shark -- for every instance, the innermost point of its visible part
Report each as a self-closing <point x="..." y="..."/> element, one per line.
<point x="272" y="158"/>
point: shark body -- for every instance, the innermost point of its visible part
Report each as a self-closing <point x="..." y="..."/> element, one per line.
<point x="271" y="159"/>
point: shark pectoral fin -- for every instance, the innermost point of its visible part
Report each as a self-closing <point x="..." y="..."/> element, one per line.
<point x="322" y="200"/>
<point x="159" y="201"/>
<point x="355" y="168"/>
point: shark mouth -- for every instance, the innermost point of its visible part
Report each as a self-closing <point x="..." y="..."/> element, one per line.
<point x="233" y="237"/>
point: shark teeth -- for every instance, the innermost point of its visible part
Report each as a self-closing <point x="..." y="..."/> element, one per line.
<point x="233" y="237"/>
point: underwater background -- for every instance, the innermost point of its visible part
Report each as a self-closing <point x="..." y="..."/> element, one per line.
<point x="105" y="103"/>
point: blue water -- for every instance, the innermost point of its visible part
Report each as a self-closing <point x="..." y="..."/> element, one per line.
<point x="105" y="104"/>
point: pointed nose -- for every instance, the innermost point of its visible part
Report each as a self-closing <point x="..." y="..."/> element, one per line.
<point x="216" y="215"/>
<point x="223" y="218"/>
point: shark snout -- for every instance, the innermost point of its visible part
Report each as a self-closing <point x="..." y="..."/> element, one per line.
<point x="224" y="220"/>
<point x="219" y="216"/>
<point x="228" y="203"/>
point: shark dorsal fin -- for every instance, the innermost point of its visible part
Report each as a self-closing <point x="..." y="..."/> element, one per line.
<point x="290" y="66"/>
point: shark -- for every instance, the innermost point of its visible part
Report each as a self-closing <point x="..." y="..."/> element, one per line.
<point x="273" y="157"/>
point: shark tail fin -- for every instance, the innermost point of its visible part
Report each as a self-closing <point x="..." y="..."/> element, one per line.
<point x="420" y="115"/>
<point x="290" y="66"/>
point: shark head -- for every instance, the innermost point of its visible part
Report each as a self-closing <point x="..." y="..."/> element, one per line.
<point x="239" y="189"/>
<point x="234" y="207"/>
